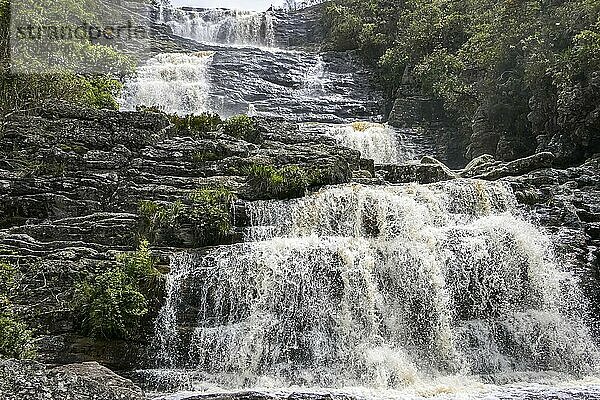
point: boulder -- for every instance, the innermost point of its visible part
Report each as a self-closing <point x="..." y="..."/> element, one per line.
<point x="485" y="167"/>
<point x="20" y="380"/>
<point x="429" y="170"/>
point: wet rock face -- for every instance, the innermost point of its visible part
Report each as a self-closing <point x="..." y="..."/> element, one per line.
<point x="300" y="86"/>
<point x="439" y="136"/>
<point x="429" y="170"/>
<point x="569" y="125"/>
<point x="301" y="28"/>
<point x="71" y="182"/>
<point x="21" y="380"/>
<point x="567" y="203"/>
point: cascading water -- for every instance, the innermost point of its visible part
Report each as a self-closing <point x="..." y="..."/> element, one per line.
<point x="176" y="83"/>
<point x="276" y="83"/>
<point x="377" y="142"/>
<point x="390" y="287"/>
<point x="222" y="26"/>
<point x="298" y="85"/>
<point x="380" y="287"/>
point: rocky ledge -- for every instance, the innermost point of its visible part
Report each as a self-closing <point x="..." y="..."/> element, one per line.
<point x="72" y="182"/>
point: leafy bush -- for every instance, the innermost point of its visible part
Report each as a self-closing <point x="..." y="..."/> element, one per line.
<point x="279" y="183"/>
<point x="156" y="217"/>
<point x="242" y="127"/>
<point x="203" y="123"/>
<point x="203" y="218"/>
<point x="7" y="278"/>
<point x="211" y="208"/>
<point x="113" y="304"/>
<point x="204" y="156"/>
<point x="140" y="265"/>
<point x="102" y="92"/>
<point x="15" y="338"/>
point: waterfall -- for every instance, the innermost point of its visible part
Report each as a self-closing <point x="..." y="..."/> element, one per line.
<point x="174" y="82"/>
<point x="377" y="142"/>
<point x="225" y="26"/>
<point x="313" y="84"/>
<point x="381" y="287"/>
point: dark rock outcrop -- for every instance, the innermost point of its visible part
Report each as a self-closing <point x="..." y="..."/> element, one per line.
<point x="568" y="123"/>
<point x="300" y="28"/>
<point x="437" y="134"/>
<point x="486" y="167"/>
<point x="429" y="170"/>
<point x="20" y="380"/>
<point x="567" y="203"/>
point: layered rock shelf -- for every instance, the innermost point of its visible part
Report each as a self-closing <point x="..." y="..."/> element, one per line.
<point x="71" y="183"/>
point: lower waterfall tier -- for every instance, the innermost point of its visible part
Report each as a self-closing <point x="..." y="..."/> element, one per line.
<point x="434" y="287"/>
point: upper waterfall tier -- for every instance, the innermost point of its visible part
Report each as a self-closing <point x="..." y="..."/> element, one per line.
<point x="223" y="26"/>
<point x="179" y="83"/>
<point x="378" y="287"/>
<point x="295" y="85"/>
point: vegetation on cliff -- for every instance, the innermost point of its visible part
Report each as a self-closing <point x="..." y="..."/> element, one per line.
<point x="279" y="183"/>
<point x="238" y="126"/>
<point x="200" y="219"/>
<point x="113" y="304"/>
<point x="19" y="88"/>
<point x="525" y="68"/>
<point x="15" y="338"/>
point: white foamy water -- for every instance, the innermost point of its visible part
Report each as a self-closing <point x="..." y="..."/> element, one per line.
<point x="454" y="388"/>
<point x="174" y="82"/>
<point x="233" y="27"/>
<point x="315" y="79"/>
<point x="381" y="288"/>
<point x="378" y="142"/>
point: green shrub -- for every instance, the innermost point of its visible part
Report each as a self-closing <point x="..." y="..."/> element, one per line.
<point x="7" y="278"/>
<point x="204" y="156"/>
<point x="203" y="123"/>
<point x="140" y="265"/>
<point x="279" y="183"/>
<point x="154" y="217"/>
<point x="242" y="127"/>
<point x="18" y="91"/>
<point x="203" y="218"/>
<point x="102" y="93"/>
<point x="113" y="304"/>
<point x="211" y="208"/>
<point x="212" y="197"/>
<point x="15" y="339"/>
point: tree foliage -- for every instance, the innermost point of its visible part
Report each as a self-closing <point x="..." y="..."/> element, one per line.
<point x="529" y="63"/>
<point x="22" y="89"/>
